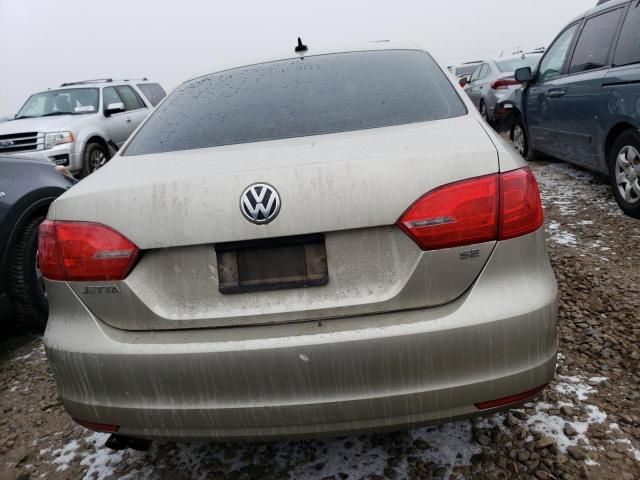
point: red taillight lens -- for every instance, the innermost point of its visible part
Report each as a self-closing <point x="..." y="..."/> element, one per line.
<point x="49" y="260"/>
<point x="495" y="207"/>
<point x="503" y="83"/>
<point x="520" y="205"/>
<point x="461" y="213"/>
<point x="501" y="402"/>
<point x="84" y="252"/>
<point x="97" y="427"/>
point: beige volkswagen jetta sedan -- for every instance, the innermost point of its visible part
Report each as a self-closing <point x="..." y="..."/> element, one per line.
<point x="323" y="244"/>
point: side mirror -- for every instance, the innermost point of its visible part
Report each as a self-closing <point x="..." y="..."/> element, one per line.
<point x="114" y="108"/>
<point x="524" y="74"/>
<point x="464" y="81"/>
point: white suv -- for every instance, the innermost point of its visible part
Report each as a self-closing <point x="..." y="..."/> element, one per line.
<point x="80" y="124"/>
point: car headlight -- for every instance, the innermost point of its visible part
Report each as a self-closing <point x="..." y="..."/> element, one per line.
<point x="57" y="138"/>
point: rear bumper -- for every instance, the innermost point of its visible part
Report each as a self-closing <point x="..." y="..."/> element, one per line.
<point x="494" y="98"/>
<point x="374" y="372"/>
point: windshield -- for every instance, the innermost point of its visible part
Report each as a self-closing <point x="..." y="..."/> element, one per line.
<point x="512" y="64"/>
<point x="300" y="97"/>
<point x="73" y="101"/>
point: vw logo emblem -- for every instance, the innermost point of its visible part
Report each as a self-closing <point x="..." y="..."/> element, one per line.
<point x="260" y="203"/>
<point x="6" y="143"/>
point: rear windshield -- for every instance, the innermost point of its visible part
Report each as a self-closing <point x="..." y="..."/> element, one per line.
<point x="513" y="64"/>
<point x="154" y="92"/>
<point x="466" y="69"/>
<point x="300" y="97"/>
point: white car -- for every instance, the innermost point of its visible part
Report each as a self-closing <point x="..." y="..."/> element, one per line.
<point x="81" y="124"/>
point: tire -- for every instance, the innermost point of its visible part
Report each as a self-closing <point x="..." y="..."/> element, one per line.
<point x="520" y="142"/>
<point x="94" y="157"/>
<point x="26" y="289"/>
<point x="483" y="111"/>
<point x="624" y="172"/>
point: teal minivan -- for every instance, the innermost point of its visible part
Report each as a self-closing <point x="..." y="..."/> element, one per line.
<point x="582" y="103"/>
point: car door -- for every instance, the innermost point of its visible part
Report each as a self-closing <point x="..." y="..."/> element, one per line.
<point x="118" y="124"/>
<point x="471" y="88"/>
<point x="136" y="109"/>
<point x="622" y="82"/>
<point x="539" y="95"/>
<point x="580" y="104"/>
<point x="483" y="86"/>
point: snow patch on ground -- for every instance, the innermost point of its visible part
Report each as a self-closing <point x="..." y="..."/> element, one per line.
<point x="597" y="380"/>
<point x="64" y="456"/>
<point x="91" y="452"/>
<point x="553" y="425"/>
<point x="634" y="451"/>
<point x="574" y="387"/>
<point x="450" y="445"/>
<point x="36" y="353"/>
<point x="561" y="237"/>
<point x="566" y="196"/>
<point x="98" y="458"/>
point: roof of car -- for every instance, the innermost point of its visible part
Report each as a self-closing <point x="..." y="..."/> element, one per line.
<point x="107" y="82"/>
<point x="520" y="55"/>
<point x="600" y="7"/>
<point x="286" y="52"/>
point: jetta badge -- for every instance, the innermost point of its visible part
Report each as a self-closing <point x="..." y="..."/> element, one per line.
<point x="260" y="203"/>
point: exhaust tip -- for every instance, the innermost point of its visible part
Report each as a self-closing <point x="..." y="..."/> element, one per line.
<point x="120" y="442"/>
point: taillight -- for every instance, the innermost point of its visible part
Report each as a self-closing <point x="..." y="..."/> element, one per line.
<point x="461" y="213"/>
<point x="503" y="83"/>
<point x="83" y="251"/>
<point x="482" y="209"/>
<point x="520" y="206"/>
<point x="49" y="260"/>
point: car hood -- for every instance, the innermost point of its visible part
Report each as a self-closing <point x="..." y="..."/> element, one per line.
<point x="40" y="124"/>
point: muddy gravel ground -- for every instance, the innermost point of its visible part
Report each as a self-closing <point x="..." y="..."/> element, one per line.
<point x="585" y="425"/>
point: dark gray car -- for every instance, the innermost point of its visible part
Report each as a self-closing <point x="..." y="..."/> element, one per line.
<point x="27" y="188"/>
<point x="582" y="104"/>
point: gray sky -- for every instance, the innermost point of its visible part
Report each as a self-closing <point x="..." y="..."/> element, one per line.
<point x="44" y="43"/>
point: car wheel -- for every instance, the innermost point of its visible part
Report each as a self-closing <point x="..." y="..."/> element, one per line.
<point x="519" y="139"/>
<point x="95" y="156"/>
<point x="624" y="172"/>
<point x="26" y="284"/>
<point x="520" y="142"/>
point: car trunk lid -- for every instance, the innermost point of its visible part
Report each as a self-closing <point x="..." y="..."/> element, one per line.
<point x="346" y="189"/>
